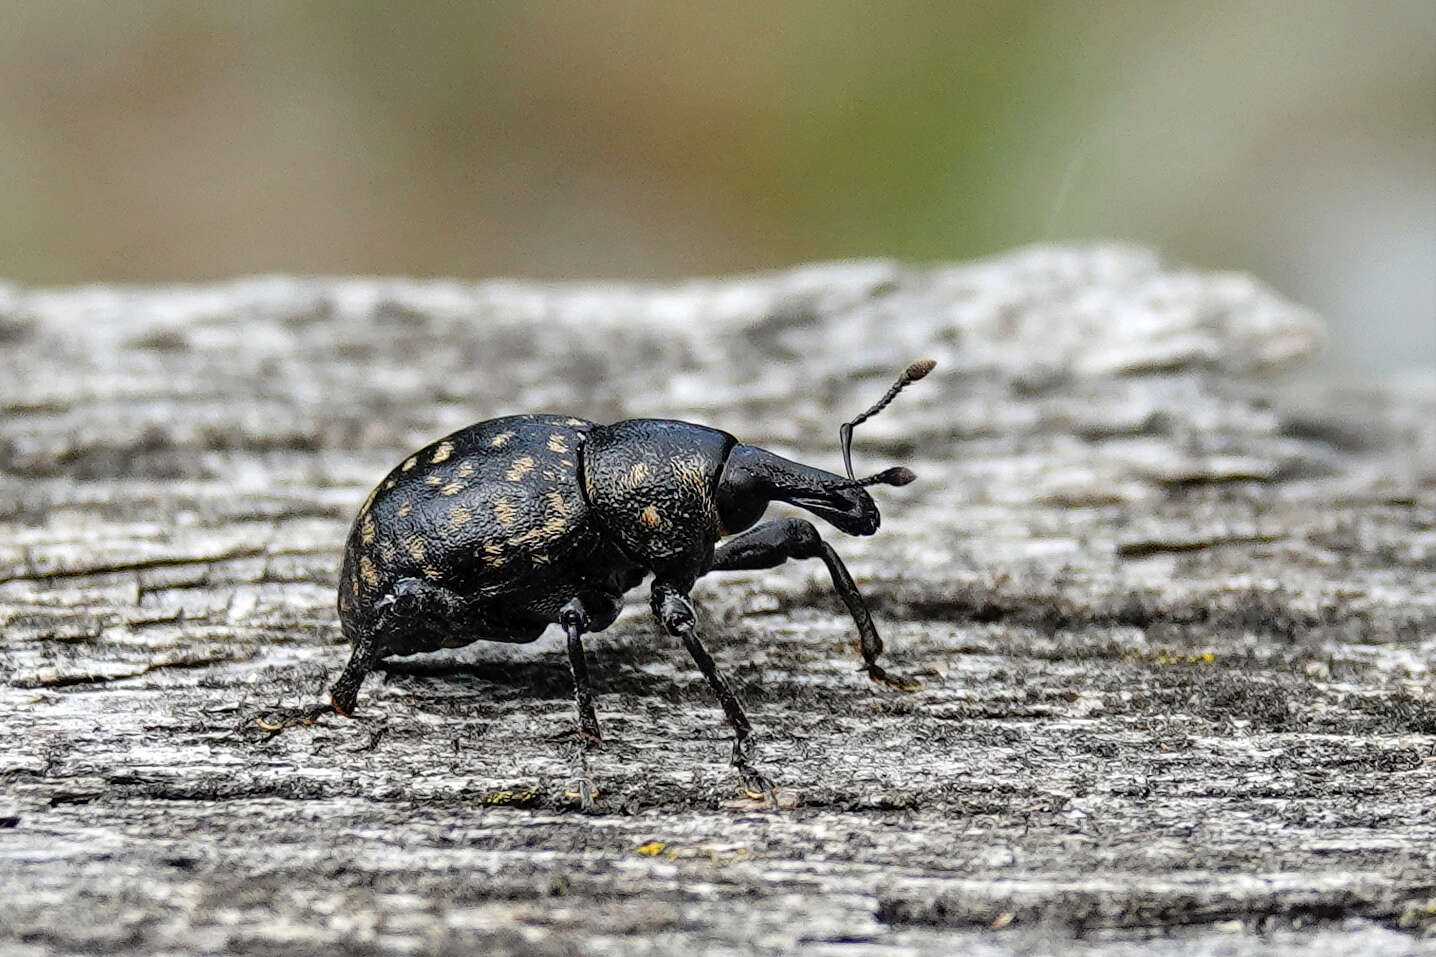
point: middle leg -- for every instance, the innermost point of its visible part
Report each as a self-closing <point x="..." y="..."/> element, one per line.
<point x="675" y="611"/>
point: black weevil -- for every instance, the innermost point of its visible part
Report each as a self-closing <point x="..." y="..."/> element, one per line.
<point x="513" y="524"/>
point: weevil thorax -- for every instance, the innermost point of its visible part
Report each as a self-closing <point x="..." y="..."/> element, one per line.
<point x="651" y="484"/>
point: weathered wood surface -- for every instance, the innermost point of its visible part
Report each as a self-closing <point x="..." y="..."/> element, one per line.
<point x="1176" y="624"/>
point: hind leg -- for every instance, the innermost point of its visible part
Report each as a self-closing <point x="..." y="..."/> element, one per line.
<point x="405" y="620"/>
<point x="344" y="693"/>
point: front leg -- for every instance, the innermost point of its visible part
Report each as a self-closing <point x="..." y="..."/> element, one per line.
<point x="773" y="543"/>
<point x="675" y="611"/>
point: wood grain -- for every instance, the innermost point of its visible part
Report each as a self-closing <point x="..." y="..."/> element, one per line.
<point x="1174" y="612"/>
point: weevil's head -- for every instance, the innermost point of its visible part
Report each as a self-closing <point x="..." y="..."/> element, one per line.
<point x="752" y="477"/>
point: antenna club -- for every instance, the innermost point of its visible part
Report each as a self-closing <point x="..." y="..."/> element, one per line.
<point x="897" y="475"/>
<point x="918" y="369"/>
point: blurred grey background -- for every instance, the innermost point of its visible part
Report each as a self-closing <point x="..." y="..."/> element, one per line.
<point x="180" y="141"/>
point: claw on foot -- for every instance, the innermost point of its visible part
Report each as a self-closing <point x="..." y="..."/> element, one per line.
<point x="585" y="792"/>
<point x="281" y="718"/>
<point x="758" y="787"/>
<point x="884" y="677"/>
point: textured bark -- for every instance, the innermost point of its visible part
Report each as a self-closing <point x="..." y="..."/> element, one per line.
<point x="1175" y="620"/>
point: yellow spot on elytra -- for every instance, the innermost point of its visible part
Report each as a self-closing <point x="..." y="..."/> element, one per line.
<point x="366" y="529"/>
<point x="496" y="554"/>
<point x="368" y="501"/>
<point x="441" y="453"/>
<point x="522" y="466"/>
<point x="432" y="573"/>
<point x="556" y="443"/>
<point x="388" y="484"/>
<point x="566" y="463"/>
<point x="576" y="422"/>
<point x="459" y="515"/>
<point x="388" y="552"/>
<point x="650" y="517"/>
<point x="415" y="547"/>
<point x="354" y="586"/>
<point x="541" y="559"/>
<point x="556" y="502"/>
<point x="466" y="468"/>
<point x="409" y="463"/>
<point x="367" y="570"/>
<point x="551" y="530"/>
<point x="637" y="473"/>
<point x="404" y="508"/>
<point x="504" y="511"/>
<point x="452" y="488"/>
<point x="500" y="440"/>
<point x="433" y="480"/>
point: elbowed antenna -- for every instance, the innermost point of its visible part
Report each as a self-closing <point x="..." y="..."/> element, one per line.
<point x="896" y="475"/>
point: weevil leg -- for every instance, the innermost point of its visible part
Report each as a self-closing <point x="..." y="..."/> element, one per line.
<point x="574" y="620"/>
<point x="675" y="611"/>
<point x="344" y="693"/>
<point x="410" y="603"/>
<point x="773" y="543"/>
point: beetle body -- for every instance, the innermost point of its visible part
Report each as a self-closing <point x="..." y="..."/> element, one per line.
<point x="512" y="524"/>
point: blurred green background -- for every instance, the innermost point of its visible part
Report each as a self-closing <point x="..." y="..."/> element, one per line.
<point x="185" y="141"/>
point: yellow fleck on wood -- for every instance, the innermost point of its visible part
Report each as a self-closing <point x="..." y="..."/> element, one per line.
<point x="500" y="440"/>
<point x="409" y="463"/>
<point x="521" y="466"/>
<point x="415" y="547"/>
<point x="466" y="468"/>
<point x="556" y="443"/>
<point x="367" y="570"/>
<point x="504" y="511"/>
<point x="652" y="848"/>
<point x="404" y="508"/>
<point x="441" y="453"/>
<point x="650" y="517"/>
<point x="366" y="529"/>
<point x="453" y="488"/>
